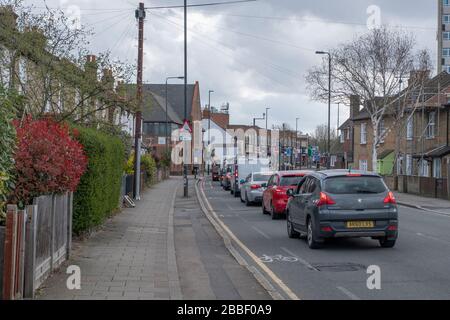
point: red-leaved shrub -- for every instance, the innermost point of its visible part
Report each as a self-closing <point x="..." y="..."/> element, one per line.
<point x="47" y="160"/>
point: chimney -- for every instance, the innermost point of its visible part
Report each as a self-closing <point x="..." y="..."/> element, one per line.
<point x="90" y="67"/>
<point x="355" y="105"/>
<point x="108" y="79"/>
<point x="8" y="18"/>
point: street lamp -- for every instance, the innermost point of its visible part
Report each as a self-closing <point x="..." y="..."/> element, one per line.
<point x="167" y="117"/>
<point x="209" y="125"/>
<point x="296" y="142"/>
<point x="329" y="106"/>
<point x="267" y="133"/>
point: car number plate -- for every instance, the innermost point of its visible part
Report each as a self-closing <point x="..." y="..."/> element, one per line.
<point x="360" y="224"/>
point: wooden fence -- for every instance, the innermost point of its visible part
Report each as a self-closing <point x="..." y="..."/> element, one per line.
<point x="37" y="241"/>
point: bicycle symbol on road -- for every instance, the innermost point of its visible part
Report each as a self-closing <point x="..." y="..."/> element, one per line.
<point x="269" y="259"/>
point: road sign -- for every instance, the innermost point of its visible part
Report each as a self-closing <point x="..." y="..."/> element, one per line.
<point x="186" y="127"/>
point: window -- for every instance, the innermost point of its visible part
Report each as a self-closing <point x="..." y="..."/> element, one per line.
<point x="446" y="52"/>
<point x="437" y="168"/>
<point x="446" y="2"/>
<point x="446" y="19"/>
<point x="348" y="133"/>
<point x="410" y="128"/>
<point x="354" y="185"/>
<point x="381" y="131"/>
<point x="409" y="167"/>
<point x="363" y="166"/>
<point x="446" y="35"/>
<point x="342" y="136"/>
<point x="400" y="165"/>
<point x="424" y="168"/>
<point x="431" y="128"/>
<point x="363" y="133"/>
<point x="288" y="181"/>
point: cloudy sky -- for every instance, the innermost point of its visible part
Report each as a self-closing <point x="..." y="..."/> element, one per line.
<point x="253" y="55"/>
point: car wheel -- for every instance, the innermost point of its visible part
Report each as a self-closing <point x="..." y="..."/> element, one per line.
<point x="242" y="200"/>
<point x="385" y="243"/>
<point x="264" y="211"/>
<point x="231" y="191"/>
<point x="273" y="215"/>
<point x="290" y="228"/>
<point x="311" y="237"/>
<point x="247" y="203"/>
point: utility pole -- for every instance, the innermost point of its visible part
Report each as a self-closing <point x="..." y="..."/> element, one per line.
<point x="296" y="144"/>
<point x="140" y="15"/>
<point x="185" y="165"/>
<point x="209" y="127"/>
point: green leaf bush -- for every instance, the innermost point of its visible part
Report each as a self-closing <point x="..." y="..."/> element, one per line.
<point x="98" y="193"/>
<point x="8" y="100"/>
<point x="148" y="166"/>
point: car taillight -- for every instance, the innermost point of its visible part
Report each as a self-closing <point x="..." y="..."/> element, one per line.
<point x="390" y="198"/>
<point x="255" y="186"/>
<point x="324" y="200"/>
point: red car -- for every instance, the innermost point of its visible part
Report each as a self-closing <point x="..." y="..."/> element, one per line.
<point x="275" y="198"/>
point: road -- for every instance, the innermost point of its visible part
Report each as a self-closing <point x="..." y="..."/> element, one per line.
<point x="417" y="268"/>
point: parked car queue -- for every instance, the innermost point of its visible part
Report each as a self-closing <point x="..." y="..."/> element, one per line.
<point x="321" y="205"/>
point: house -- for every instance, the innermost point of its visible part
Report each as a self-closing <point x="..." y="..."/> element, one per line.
<point x="215" y="123"/>
<point x="423" y="161"/>
<point x="157" y="136"/>
<point x="55" y="86"/>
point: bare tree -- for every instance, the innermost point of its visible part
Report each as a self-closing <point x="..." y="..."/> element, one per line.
<point x="370" y="67"/>
<point x="320" y="139"/>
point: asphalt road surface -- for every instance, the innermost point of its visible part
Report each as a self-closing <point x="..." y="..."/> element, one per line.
<point x="418" y="267"/>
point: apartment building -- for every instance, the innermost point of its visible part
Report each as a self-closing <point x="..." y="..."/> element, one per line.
<point x="443" y="36"/>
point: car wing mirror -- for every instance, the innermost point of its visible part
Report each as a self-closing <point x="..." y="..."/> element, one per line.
<point x="290" y="193"/>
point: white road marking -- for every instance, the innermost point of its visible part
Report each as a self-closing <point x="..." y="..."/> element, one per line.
<point x="302" y="261"/>
<point x="261" y="233"/>
<point x="434" y="212"/>
<point x="432" y="238"/>
<point x="209" y="211"/>
<point x="348" y="293"/>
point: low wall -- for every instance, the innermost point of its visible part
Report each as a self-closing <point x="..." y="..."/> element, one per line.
<point x="423" y="186"/>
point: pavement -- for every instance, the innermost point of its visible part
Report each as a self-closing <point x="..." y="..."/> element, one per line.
<point x="439" y="206"/>
<point x="416" y="268"/>
<point x="165" y="248"/>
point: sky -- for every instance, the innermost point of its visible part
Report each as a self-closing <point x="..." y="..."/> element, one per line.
<point x="253" y="55"/>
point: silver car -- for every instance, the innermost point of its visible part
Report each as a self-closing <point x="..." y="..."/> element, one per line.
<point x="252" y="189"/>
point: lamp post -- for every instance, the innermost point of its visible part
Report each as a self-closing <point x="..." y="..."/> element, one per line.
<point x="267" y="133"/>
<point x="209" y="126"/>
<point x="329" y="106"/>
<point x="296" y="143"/>
<point x="167" y="117"/>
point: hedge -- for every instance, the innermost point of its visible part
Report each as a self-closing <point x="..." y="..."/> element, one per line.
<point x="98" y="193"/>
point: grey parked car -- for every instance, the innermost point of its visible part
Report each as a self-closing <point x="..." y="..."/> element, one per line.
<point x="339" y="203"/>
<point x="252" y="187"/>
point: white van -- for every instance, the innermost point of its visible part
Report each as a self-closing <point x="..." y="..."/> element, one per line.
<point x="244" y="167"/>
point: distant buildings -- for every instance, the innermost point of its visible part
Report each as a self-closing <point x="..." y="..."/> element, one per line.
<point x="443" y="36"/>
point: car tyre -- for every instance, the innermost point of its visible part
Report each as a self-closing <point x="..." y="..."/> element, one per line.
<point x="273" y="215"/>
<point x="264" y="211"/>
<point x="385" y="243"/>
<point x="311" y="237"/>
<point x="290" y="228"/>
<point x="247" y="203"/>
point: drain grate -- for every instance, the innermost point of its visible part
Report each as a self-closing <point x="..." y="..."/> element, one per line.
<point x="339" y="267"/>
